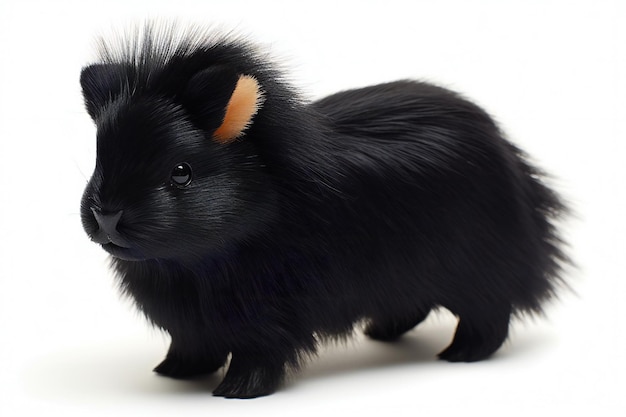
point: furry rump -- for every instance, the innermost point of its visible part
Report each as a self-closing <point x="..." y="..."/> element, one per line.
<point x="371" y="205"/>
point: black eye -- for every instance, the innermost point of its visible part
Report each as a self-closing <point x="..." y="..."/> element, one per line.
<point x="181" y="174"/>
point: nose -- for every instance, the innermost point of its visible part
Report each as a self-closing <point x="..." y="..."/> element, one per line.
<point x="107" y="228"/>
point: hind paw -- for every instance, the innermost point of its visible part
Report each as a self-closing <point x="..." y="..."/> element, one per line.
<point x="387" y="330"/>
<point x="478" y="337"/>
<point x="180" y="369"/>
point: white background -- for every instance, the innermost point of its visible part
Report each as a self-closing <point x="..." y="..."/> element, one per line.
<point x="551" y="72"/>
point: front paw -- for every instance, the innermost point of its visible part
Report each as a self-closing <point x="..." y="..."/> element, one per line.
<point x="249" y="383"/>
<point x="175" y="367"/>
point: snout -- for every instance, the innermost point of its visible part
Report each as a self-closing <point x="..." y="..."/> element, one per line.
<point x="103" y="227"/>
<point x="108" y="228"/>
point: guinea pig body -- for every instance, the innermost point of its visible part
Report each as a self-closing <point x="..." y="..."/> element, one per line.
<point x="249" y="224"/>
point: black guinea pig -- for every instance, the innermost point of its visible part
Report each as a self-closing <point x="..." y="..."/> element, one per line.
<point x="250" y="224"/>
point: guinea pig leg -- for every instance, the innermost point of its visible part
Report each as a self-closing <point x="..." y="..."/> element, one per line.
<point x="190" y="358"/>
<point x="389" y="329"/>
<point x="479" y="333"/>
<point x="251" y="375"/>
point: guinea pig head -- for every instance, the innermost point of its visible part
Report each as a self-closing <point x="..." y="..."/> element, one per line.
<point x="177" y="175"/>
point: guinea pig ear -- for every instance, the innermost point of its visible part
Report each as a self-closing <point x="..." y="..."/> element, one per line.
<point x="223" y="101"/>
<point x="244" y="103"/>
<point x="100" y="84"/>
<point x="207" y="94"/>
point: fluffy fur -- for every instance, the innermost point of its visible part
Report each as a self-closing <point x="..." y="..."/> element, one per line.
<point x="371" y="205"/>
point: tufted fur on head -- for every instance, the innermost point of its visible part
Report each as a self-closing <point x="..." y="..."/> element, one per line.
<point x="250" y="224"/>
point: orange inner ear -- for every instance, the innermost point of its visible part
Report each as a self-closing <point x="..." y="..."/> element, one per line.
<point x="241" y="108"/>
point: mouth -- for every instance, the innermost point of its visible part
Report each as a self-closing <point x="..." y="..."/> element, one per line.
<point x="127" y="254"/>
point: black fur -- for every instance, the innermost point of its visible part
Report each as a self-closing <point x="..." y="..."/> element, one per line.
<point x="373" y="205"/>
